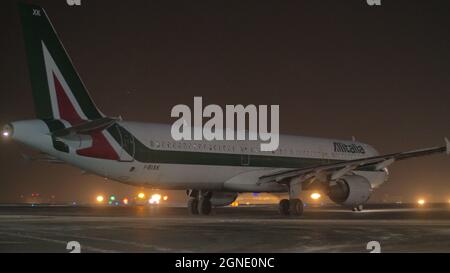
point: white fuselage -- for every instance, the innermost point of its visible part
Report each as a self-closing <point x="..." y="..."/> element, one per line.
<point x="210" y="165"/>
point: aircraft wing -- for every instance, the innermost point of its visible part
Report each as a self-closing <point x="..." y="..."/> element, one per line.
<point x="86" y="127"/>
<point x="341" y="168"/>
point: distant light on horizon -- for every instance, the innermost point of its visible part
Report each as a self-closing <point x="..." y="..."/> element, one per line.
<point x="141" y="195"/>
<point x="100" y="198"/>
<point x="155" y="199"/>
<point x="315" y="196"/>
<point x="421" y="202"/>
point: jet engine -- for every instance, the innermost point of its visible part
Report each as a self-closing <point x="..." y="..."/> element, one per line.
<point x="350" y="190"/>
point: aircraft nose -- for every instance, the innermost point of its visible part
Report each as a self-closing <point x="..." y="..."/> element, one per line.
<point x="7" y="131"/>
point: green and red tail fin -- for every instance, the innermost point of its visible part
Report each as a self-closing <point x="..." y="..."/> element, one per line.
<point x="58" y="91"/>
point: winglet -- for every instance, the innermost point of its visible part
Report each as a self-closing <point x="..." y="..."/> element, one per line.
<point x="447" y="146"/>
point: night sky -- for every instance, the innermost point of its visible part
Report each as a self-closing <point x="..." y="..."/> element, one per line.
<point x="336" y="68"/>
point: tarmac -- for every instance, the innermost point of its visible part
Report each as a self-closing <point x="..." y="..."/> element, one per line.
<point x="397" y="228"/>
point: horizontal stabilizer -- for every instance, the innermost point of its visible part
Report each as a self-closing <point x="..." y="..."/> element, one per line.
<point x="86" y="127"/>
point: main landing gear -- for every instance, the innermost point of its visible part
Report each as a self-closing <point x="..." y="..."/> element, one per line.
<point x="293" y="206"/>
<point x="199" y="202"/>
<point x="358" y="208"/>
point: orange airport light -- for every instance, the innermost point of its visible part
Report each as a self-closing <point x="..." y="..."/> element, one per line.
<point x="315" y="196"/>
<point x="125" y="201"/>
<point x="165" y="197"/>
<point x="155" y="199"/>
<point x="100" y="198"/>
<point x="421" y="202"/>
<point x="141" y="195"/>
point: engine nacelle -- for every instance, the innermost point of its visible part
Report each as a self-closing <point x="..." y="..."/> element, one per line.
<point x="220" y="199"/>
<point x="350" y="190"/>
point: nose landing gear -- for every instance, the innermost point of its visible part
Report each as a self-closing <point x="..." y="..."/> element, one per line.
<point x="204" y="206"/>
<point x="193" y="206"/>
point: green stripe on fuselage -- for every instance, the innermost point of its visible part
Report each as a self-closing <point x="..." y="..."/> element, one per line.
<point x="145" y="154"/>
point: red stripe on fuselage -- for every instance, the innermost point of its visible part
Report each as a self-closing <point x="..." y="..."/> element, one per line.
<point x="100" y="148"/>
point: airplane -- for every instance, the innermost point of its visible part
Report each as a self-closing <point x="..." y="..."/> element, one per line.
<point x="70" y="128"/>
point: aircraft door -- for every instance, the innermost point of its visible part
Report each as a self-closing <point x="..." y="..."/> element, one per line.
<point x="128" y="146"/>
<point x="245" y="160"/>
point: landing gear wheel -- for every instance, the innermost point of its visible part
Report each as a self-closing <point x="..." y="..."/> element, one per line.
<point x="193" y="206"/>
<point x="204" y="206"/>
<point x="296" y="207"/>
<point x="283" y="207"/>
<point x="358" y="208"/>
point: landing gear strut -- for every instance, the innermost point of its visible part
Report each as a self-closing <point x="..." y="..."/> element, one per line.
<point x="199" y="202"/>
